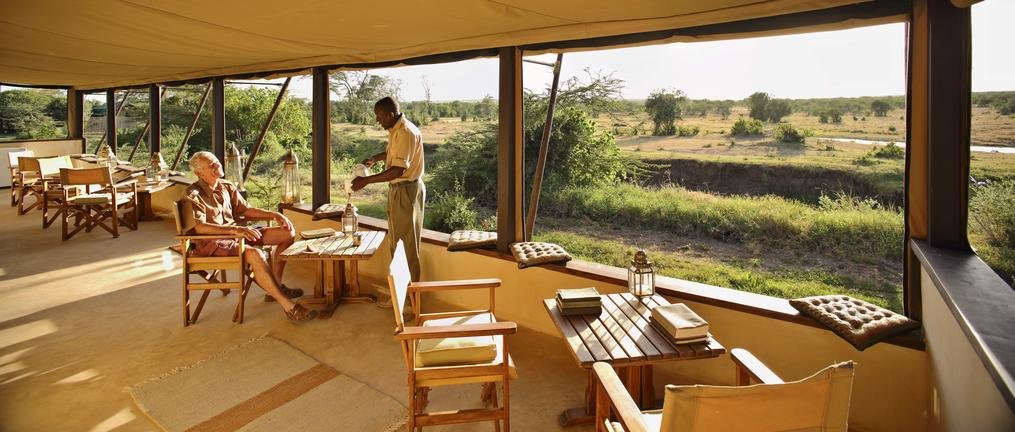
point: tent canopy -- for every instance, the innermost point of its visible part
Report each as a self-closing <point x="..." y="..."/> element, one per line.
<point x="102" y="44"/>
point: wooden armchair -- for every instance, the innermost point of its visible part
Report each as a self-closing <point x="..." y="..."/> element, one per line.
<point x="451" y="348"/>
<point x="211" y="271"/>
<point x="818" y="402"/>
<point x="12" y="166"/>
<point x="91" y="210"/>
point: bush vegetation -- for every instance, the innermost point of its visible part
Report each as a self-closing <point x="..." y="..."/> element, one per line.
<point x="746" y="127"/>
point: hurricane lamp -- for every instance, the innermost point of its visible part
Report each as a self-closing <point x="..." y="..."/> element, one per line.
<point x="641" y="277"/>
<point x="350" y="219"/>
<point x="291" y="179"/>
<point x="234" y="166"/>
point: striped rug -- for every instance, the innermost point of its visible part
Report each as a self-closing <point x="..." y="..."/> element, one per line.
<point x="265" y="385"/>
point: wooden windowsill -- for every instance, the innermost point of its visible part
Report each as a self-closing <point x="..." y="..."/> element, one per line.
<point x="757" y="304"/>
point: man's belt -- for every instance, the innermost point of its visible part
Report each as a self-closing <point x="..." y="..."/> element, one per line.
<point x="402" y="183"/>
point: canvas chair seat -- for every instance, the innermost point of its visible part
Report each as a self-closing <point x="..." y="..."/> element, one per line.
<point x="458" y="350"/>
<point x="101" y="198"/>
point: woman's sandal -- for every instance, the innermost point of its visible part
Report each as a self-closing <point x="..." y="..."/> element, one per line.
<point x="300" y="314"/>
<point x="289" y="292"/>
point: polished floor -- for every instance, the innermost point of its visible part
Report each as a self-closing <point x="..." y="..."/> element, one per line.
<point x="83" y="319"/>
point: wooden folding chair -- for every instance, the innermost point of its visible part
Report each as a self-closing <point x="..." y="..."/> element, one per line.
<point x="107" y="203"/>
<point x="12" y="166"/>
<point x="451" y="348"/>
<point x="51" y="189"/>
<point x="210" y="270"/>
<point x="30" y="184"/>
<point x="819" y="402"/>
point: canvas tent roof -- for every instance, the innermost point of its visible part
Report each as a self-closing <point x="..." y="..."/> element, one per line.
<point x="118" y="43"/>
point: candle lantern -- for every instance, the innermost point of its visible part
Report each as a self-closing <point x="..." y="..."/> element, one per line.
<point x="291" y="179"/>
<point x="234" y="166"/>
<point x="350" y="219"/>
<point x="156" y="167"/>
<point x="641" y="277"/>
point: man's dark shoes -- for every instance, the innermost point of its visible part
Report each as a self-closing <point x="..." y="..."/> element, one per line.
<point x="300" y="314"/>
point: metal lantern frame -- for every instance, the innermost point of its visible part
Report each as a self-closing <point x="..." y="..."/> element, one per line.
<point x="291" y="184"/>
<point x="234" y="165"/>
<point x="641" y="276"/>
<point x="350" y="219"/>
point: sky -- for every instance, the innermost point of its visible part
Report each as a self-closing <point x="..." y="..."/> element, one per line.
<point x="868" y="61"/>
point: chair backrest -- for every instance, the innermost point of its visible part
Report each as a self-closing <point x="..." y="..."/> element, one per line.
<point x="12" y="157"/>
<point x="398" y="283"/>
<point x="28" y="164"/>
<point x="819" y="402"/>
<point x="86" y="176"/>
<point x="52" y="165"/>
<point x="183" y="215"/>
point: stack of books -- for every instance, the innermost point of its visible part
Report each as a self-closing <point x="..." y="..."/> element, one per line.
<point x="579" y="301"/>
<point x="680" y="324"/>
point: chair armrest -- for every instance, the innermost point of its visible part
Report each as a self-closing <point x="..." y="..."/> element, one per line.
<point x="464" y="330"/>
<point x="453" y="285"/>
<point x="748" y="367"/>
<point x="610" y="392"/>
<point x="126" y="182"/>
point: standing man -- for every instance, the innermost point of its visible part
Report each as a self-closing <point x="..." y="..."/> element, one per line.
<point x="403" y="162"/>
<point x="216" y="204"/>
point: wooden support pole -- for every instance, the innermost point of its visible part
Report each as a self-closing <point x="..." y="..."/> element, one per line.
<point x="111" y="113"/>
<point x="154" y="119"/>
<point x="190" y="129"/>
<point x="75" y="116"/>
<point x="218" y="123"/>
<point x="264" y="130"/>
<point x="509" y="150"/>
<point x="147" y="126"/>
<point x="321" y="139"/>
<point x="544" y="144"/>
<point x="119" y="108"/>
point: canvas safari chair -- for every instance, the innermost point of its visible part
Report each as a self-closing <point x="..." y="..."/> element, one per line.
<point x="211" y="272"/>
<point x="451" y="348"/>
<point x="819" y="402"/>
<point x="93" y="199"/>
<point x="30" y="184"/>
<point x="52" y="190"/>
<point x="12" y="166"/>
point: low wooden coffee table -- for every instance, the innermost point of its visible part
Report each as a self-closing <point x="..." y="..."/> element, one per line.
<point x="622" y="336"/>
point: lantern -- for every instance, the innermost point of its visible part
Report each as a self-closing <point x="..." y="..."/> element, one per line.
<point x="234" y="166"/>
<point x="102" y="157"/>
<point x="291" y="179"/>
<point x="350" y="219"/>
<point x="156" y="167"/>
<point x="641" y="277"/>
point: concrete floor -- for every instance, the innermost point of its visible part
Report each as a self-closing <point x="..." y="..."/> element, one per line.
<point x="82" y="320"/>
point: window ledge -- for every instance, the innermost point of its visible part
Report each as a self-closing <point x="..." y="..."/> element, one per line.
<point x="756" y="304"/>
<point x="982" y="305"/>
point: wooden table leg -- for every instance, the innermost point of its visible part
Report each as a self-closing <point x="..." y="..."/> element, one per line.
<point x="648" y="391"/>
<point x="144" y="204"/>
<point x="331" y="301"/>
<point x="352" y="295"/>
<point x="585" y="414"/>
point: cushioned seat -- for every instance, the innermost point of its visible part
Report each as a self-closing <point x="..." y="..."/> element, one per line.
<point x="458" y="350"/>
<point x="102" y="198"/>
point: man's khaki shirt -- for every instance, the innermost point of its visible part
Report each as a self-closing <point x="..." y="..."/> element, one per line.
<point x="220" y="206"/>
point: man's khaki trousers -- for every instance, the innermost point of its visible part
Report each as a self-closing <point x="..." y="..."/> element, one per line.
<point x="405" y="220"/>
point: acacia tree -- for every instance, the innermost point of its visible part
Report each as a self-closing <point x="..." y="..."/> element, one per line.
<point x="880" y="108"/>
<point x="664" y="107"/>
<point x="758" y="102"/>
<point x="776" y="110"/>
<point x="358" y="91"/>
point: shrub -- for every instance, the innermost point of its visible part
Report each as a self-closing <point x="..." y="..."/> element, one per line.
<point x="890" y="151"/>
<point x="992" y="208"/>
<point x="688" y="130"/>
<point x="866" y="160"/>
<point x="746" y="127"/>
<point x="786" y="133"/>
<point x="451" y="211"/>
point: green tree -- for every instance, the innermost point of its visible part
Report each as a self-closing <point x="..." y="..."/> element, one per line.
<point x="358" y="91"/>
<point x="724" y="108"/>
<point x="759" y="104"/>
<point x="880" y="108"/>
<point x="664" y="107"/>
<point x="776" y="110"/>
<point x="24" y="113"/>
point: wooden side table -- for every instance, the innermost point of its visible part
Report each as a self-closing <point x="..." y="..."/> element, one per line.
<point x="332" y="253"/>
<point x="623" y="337"/>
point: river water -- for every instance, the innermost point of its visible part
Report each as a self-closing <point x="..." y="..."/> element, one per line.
<point x="984" y="149"/>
